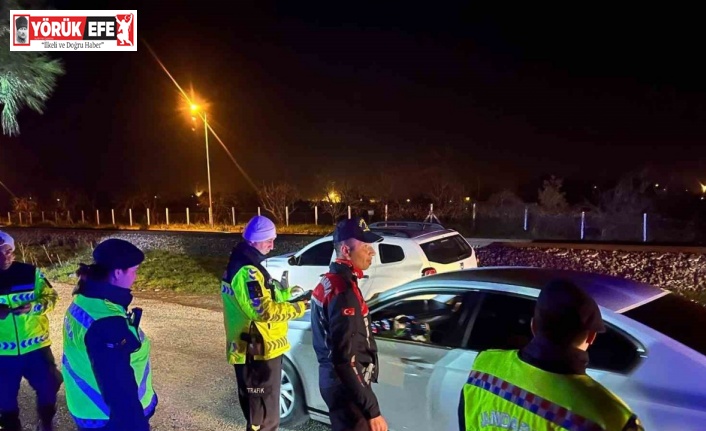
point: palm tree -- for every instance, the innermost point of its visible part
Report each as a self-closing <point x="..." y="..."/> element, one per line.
<point x="27" y="79"/>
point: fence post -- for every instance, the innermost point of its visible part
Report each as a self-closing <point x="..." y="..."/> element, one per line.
<point x="98" y="218"/>
<point x="286" y="214"/>
<point x="68" y="216"/>
<point x="148" y="216"/>
<point x="30" y="217"/>
<point x="42" y="216"/>
<point x="474" y="214"/>
<point x="130" y="211"/>
<point x="258" y="211"/>
<point x="583" y="224"/>
<point x="526" y="214"/>
<point x="349" y="212"/>
<point x="232" y="212"/>
<point x="316" y="215"/>
<point x="166" y="210"/>
<point x="644" y="227"/>
<point x="385" y="212"/>
<point x="20" y="213"/>
<point x="56" y="217"/>
<point x="83" y="218"/>
<point x="9" y="218"/>
<point x="188" y="222"/>
<point x="112" y="214"/>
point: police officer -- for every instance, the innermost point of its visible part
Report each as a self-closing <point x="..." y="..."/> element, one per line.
<point x="106" y="363"/>
<point x="342" y="335"/>
<point x="255" y="314"/>
<point x="544" y="386"/>
<point x="25" y="298"/>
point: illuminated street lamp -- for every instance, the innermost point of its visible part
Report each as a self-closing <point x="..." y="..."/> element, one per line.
<point x="196" y="110"/>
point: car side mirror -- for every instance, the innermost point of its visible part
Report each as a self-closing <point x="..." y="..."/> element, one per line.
<point x="293" y="260"/>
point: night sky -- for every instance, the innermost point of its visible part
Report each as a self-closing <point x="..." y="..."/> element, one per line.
<point x="501" y="95"/>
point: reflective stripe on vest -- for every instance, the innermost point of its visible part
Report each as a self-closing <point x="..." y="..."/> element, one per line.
<point x="91" y="393"/>
<point x="23" y="333"/>
<point x="22" y="287"/>
<point x="80" y="315"/>
<point x="102" y="423"/>
<point x="86" y="403"/>
<point x="534" y="403"/>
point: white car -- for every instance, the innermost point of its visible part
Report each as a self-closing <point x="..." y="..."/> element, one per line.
<point x="409" y="250"/>
<point x="430" y="330"/>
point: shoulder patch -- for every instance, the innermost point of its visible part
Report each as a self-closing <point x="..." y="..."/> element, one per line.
<point x="252" y="274"/>
<point x="254" y="289"/>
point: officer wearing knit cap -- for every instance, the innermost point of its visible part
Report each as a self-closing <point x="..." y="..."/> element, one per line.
<point x="21" y="26"/>
<point x="256" y="309"/>
<point x="550" y="371"/>
<point x="25" y="344"/>
<point x="104" y="347"/>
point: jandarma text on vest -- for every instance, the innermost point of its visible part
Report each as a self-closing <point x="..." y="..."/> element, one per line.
<point x="503" y="420"/>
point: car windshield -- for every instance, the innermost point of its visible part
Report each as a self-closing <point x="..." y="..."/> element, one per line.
<point x="675" y="317"/>
<point x="447" y="250"/>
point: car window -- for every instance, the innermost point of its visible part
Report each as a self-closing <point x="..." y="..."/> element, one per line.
<point x="447" y="250"/>
<point x="390" y="253"/>
<point x="675" y="317"/>
<point x="429" y="318"/>
<point x="503" y="322"/>
<point x="318" y="255"/>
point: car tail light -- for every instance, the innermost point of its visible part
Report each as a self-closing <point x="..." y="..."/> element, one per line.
<point x="428" y="271"/>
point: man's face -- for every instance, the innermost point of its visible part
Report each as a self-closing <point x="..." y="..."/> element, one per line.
<point x="264" y="247"/>
<point x="7" y="256"/>
<point x="360" y="253"/>
<point x="22" y="32"/>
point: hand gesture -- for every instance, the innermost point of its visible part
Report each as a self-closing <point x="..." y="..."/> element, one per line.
<point x="377" y="424"/>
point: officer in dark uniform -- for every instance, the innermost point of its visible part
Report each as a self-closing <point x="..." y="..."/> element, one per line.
<point x="544" y="386"/>
<point x="342" y="335"/>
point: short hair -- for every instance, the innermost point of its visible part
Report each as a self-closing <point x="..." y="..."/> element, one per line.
<point x="338" y="247"/>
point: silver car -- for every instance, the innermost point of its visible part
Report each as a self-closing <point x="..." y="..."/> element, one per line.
<point x="430" y="330"/>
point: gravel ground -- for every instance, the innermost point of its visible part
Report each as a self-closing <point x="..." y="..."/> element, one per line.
<point x="195" y="385"/>
<point x="676" y="271"/>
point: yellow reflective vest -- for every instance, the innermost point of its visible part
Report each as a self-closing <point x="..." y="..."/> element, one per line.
<point x="251" y="305"/>
<point x="22" y="284"/>
<point x="504" y="392"/>
<point x="83" y="394"/>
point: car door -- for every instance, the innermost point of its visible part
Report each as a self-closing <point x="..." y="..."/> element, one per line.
<point x="420" y="364"/>
<point x="311" y="263"/>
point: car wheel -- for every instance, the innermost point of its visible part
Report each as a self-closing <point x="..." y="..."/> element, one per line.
<point x="292" y="405"/>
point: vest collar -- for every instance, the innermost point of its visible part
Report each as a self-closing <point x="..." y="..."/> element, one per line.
<point x="106" y="291"/>
<point x="545" y="355"/>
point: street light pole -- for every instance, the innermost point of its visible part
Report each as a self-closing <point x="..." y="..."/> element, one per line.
<point x="208" y="169"/>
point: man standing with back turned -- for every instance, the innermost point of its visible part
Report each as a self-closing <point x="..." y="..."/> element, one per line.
<point x="544" y="387"/>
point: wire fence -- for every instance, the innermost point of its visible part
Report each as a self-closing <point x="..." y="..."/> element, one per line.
<point x="486" y="222"/>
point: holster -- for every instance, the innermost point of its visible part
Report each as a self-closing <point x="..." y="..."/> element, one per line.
<point x="256" y="343"/>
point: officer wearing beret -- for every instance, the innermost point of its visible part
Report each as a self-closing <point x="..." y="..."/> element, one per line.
<point x="106" y="363"/>
<point x="544" y="386"/>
